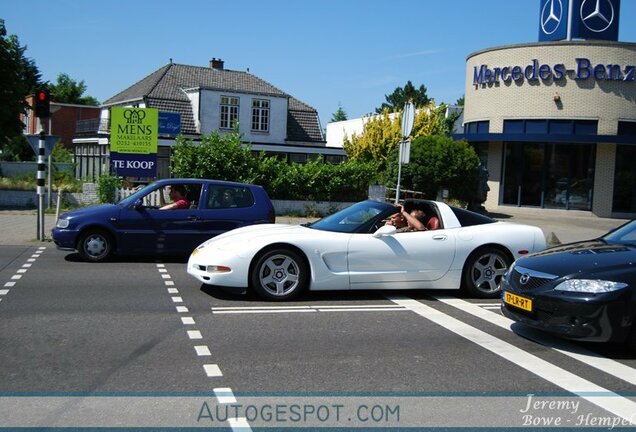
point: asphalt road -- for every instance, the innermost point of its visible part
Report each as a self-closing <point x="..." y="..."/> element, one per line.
<point x="139" y="343"/>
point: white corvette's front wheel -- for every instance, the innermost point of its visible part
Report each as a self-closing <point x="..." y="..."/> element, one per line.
<point x="279" y="274"/>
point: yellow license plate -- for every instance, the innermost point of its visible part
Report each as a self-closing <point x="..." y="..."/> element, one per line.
<point x="518" y="301"/>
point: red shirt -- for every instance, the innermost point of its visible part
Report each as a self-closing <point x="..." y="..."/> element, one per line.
<point x="182" y="203"/>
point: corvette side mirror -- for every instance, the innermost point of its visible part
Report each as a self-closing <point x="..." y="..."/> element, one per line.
<point x="384" y="230"/>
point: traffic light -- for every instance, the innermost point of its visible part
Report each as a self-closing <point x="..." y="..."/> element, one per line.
<point x="42" y="103"/>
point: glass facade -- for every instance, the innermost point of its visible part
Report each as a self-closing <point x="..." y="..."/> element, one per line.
<point x="625" y="180"/>
<point x="549" y="175"/>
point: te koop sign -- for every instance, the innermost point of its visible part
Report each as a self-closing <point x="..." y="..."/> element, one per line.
<point x="133" y="141"/>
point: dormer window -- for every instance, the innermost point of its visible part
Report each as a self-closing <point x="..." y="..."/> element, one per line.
<point x="229" y="112"/>
<point x="260" y="115"/>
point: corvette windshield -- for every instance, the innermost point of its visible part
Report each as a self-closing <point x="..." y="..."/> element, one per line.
<point x="349" y="220"/>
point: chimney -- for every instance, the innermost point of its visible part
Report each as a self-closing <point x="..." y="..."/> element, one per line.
<point x="216" y="63"/>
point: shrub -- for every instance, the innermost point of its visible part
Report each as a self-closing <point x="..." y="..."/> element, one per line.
<point x="107" y="186"/>
<point x="438" y="162"/>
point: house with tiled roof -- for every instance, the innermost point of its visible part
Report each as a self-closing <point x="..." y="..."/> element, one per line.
<point x="210" y="99"/>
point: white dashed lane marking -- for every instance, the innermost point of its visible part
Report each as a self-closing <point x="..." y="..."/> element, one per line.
<point x="21" y="272"/>
<point x="202" y="350"/>
<point x="224" y="395"/>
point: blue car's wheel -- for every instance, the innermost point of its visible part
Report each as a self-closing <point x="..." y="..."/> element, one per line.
<point x="95" y="245"/>
<point x="279" y="274"/>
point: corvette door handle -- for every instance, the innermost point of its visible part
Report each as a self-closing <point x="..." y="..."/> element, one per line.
<point x="440" y="237"/>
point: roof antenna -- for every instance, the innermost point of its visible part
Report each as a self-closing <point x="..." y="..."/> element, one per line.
<point x="170" y="60"/>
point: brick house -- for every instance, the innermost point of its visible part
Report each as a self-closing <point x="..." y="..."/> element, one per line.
<point x="62" y="122"/>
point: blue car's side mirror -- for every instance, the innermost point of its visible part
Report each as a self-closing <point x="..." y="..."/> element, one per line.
<point x="139" y="204"/>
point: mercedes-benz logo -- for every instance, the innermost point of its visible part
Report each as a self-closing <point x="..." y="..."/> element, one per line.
<point x="597" y="15"/>
<point x="551" y="16"/>
<point x="524" y="278"/>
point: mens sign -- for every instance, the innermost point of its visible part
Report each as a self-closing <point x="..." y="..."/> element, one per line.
<point x="133" y="141"/>
<point x="578" y="19"/>
<point x="134" y="130"/>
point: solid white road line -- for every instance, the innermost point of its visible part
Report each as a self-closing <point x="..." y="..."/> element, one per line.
<point x="367" y="309"/>
<point x="587" y="390"/>
<point x="270" y="311"/>
<point x="258" y="307"/>
<point x="296" y="309"/>
<point x="590" y="358"/>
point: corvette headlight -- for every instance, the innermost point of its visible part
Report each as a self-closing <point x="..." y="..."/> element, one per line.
<point x="62" y="223"/>
<point x="589" y="286"/>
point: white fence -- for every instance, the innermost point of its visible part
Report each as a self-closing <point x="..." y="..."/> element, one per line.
<point x="151" y="199"/>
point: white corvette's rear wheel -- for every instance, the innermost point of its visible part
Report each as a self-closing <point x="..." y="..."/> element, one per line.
<point x="483" y="271"/>
<point x="279" y="274"/>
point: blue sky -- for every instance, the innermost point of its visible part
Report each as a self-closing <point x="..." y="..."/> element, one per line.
<point x="324" y="52"/>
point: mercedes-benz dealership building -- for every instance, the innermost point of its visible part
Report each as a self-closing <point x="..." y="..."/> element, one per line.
<point x="555" y="121"/>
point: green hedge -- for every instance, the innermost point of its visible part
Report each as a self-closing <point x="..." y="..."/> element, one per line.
<point x="222" y="157"/>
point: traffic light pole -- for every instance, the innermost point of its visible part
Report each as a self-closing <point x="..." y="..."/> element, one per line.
<point x="40" y="187"/>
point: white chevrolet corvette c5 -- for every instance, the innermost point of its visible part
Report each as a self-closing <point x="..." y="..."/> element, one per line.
<point x="354" y="249"/>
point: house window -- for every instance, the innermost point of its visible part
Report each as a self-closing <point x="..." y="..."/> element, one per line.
<point x="260" y="115"/>
<point x="229" y="112"/>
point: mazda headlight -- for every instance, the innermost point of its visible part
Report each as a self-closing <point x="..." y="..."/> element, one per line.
<point x="62" y="223"/>
<point x="590" y="286"/>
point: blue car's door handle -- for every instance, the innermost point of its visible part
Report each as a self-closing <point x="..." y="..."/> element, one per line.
<point x="194" y="218"/>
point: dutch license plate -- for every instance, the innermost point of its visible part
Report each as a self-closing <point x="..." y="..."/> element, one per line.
<point x="518" y="301"/>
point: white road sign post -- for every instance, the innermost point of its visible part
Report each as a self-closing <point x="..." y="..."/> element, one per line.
<point x="408" y="117"/>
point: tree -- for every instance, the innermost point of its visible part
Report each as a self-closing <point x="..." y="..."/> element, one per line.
<point x="395" y="101"/>
<point x="17" y="149"/>
<point x="339" y="115"/>
<point x="438" y="162"/>
<point x="382" y="133"/>
<point x="20" y="77"/>
<point x="67" y="90"/>
<point x="218" y="156"/>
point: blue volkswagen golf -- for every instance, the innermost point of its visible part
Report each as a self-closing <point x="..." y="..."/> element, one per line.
<point x="138" y="225"/>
